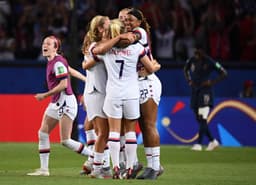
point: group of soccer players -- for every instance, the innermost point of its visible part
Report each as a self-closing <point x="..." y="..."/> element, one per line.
<point x="122" y="106"/>
<point x="121" y="89"/>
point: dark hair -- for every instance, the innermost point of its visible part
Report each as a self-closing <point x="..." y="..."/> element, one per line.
<point x="139" y="15"/>
<point x="136" y="13"/>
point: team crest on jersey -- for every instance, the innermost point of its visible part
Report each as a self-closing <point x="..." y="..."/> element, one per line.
<point x="61" y="69"/>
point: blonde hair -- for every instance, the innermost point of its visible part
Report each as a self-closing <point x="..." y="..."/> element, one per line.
<point x="123" y="11"/>
<point x="116" y="28"/>
<point x="93" y="34"/>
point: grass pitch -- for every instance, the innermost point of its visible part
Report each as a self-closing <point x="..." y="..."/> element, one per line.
<point x="224" y="166"/>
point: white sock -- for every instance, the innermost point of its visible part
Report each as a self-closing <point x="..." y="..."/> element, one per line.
<point x="156" y="158"/>
<point x="77" y="147"/>
<point x="98" y="161"/>
<point x="44" y="149"/>
<point x="122" y="157"/>
<point x="114" y="147"/>
<point x="106" y="162"/>
<point x="130" y="148"/>
<point x="90" y="140"/>
<point x="148" y="153"/>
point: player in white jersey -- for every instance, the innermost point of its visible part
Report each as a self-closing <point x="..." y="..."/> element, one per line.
<point x="63" y="106"/>
<point x="150" y="93"/>
<point x="123" y="17"/>
<point x="94" y="95"/>
<point x="122" y="92"/>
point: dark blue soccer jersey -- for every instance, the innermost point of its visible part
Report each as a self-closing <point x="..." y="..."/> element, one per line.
<point x="198" y="72"/>
<point x="201" y="71"/>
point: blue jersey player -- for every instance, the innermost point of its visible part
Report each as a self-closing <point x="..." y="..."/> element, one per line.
<point x="198" y="73"/>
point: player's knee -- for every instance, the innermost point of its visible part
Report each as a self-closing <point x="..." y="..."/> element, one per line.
<point x="200" y="119"/>
<point x="42" y="135"/>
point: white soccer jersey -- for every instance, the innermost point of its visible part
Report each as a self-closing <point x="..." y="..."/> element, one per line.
<point x="143" y="35"/>
<point x="150" y="87"/>
<point x="121" y="65"/>
<point x="95" y="89"/>
<point x="96" y="76"/>
<point x="144" y="40"/>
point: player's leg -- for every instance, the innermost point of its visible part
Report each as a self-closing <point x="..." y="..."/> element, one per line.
<point x="203" y="113"/>
<point x="47" y="125"/>
<point x="114" y="144"/>
<point x="90" y="140"/>
<point x="151" y="139"/>
<point x="102" y="136"/>
<point x="66" y="124"/>
<point x="130" y="148"/>
<point x="122" y="157"/>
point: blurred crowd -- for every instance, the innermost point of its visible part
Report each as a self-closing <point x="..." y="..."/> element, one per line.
<point x="226" y="29"/>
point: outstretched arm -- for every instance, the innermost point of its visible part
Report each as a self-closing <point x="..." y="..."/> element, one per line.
<point x="76" y="74"/>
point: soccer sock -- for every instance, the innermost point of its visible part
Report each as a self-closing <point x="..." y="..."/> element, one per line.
<point x="44" y="149"/>
<point x="207" y="132"/>
<point x="201" y="133"/>
<point x="77" y="147"/>
<point x="122" y="157"/>
<point x="148" y="153"/>
<point x="90" y="140"/>
<point x="98" y="161"/>
<point x="114" y="147"/>
<point x="130" y="148"/>
<point x="156" y="158"/>
<point x="106" y="162"/>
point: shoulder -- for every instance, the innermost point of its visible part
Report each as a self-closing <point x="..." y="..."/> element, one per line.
<point x="60" y="58"/>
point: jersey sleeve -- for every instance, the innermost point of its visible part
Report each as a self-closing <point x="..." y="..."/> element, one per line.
<point x="60" y="70"/>
<point x="142" y="34"/>
<point x="97" y="58"/>
<point x="218" y="67"/>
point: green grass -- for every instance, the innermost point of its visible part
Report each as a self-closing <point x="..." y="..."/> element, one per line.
<point x="224" y="166"/>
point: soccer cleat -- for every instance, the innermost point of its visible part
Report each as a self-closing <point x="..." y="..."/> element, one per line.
<point x="129" y="174"/>
<point x="106" y="172"/>
<point x="212" y="145"/>
<point x="197" y="147"/>
<point x="160" y="171"/>
<point x="145" y="173"/>
<point x="116" y="173"/>
<point x="87" y="168"/>
<point x="39" y="172"/>
<point x="149" y="173"/>
<point x="136" y="169"/>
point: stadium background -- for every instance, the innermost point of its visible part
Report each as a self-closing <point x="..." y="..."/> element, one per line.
<point x="233" y="121"/>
